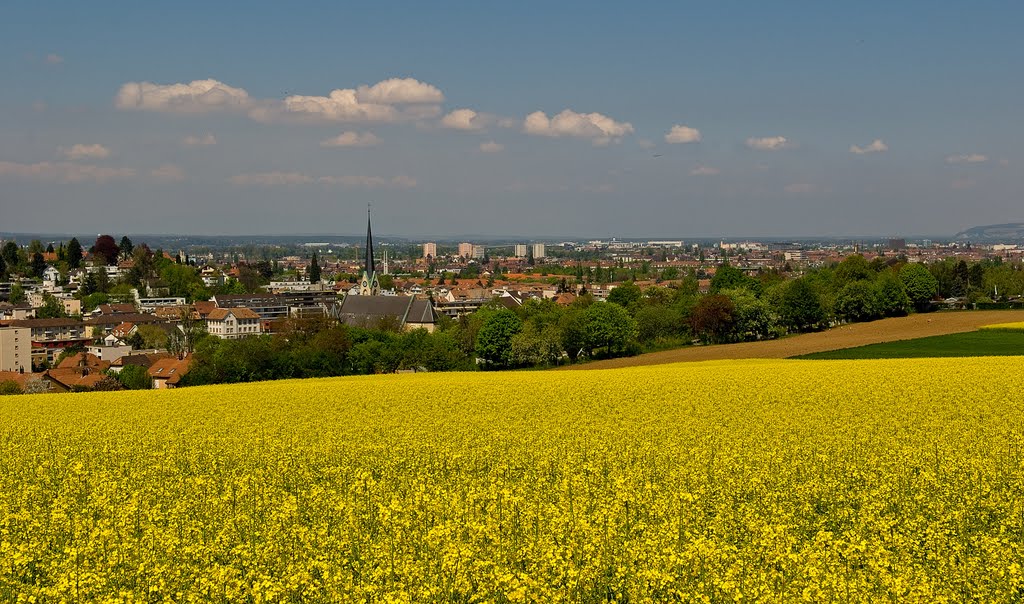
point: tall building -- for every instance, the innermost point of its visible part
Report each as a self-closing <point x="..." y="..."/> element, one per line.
<point x="478" y="252"/>
<point x="466" y="250"/>
<point x="537" y="250"/>
<point x="520" y="250"/>
<point x="430" y="250"/>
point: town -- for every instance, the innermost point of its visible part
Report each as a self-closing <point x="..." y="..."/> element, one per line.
<point x="119" y="314"/>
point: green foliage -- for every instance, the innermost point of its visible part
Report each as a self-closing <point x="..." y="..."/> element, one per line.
<point x="891" y="298"/>
<point x="800" y="306"/>
<point x="921" y="285"/>
<point x="52" y="308"/>
<point x="970" y="344"/>
<point x="627" y="295"/>
<point x="608" y="327"/>
<point x="134" y="377"/>
<point x="858" y="301"/>
<point x="730" y="277"/>
<point x="9" y="387"/>
<point x="494" y="340"/>
<point x="74" y="253"/>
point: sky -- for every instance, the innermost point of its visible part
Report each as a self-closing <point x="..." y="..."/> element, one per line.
<point x="569" y="119"/>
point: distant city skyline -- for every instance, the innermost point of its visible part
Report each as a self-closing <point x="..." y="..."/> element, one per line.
<point x="690" y="120"/>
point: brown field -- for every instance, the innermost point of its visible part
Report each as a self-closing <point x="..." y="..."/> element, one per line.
<point x="846" y="336"/>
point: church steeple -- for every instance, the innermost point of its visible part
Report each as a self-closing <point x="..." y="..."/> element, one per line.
<point x="368" y="264"/>
<point x="368" y="284"/>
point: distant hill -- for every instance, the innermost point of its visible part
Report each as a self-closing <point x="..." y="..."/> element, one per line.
<point x="1011" y="231"/>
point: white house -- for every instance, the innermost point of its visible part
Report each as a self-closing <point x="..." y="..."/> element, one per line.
<point x="233" y="323"/>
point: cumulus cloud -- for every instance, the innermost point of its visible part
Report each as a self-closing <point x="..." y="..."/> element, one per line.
<point x="167" y="173"/>
<point x="799" y="188"/>
<point x="704" y="171"/>
<point x="876" y="146"/>
<point x="351" y="139"/>
<point x="76" y="152"/>
<point x="967" y="158"/>
<point x="464" y="119"/>
<point x="200" y="141"/>
<point x="769" y="143"/>
<point x="491" y="147"/>
<point x="198" y="96"/>
<point x="600" y="129"/>
<point x="396" y="91"/>
<point x="277" y="179"/>
<point x="65" y="172"/>
<point x="680" y="134"/>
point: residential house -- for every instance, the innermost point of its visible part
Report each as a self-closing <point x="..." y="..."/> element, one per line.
<point x="233" y="323"/>
<point x="166" y="373"/>
<point x="45" y="339"/>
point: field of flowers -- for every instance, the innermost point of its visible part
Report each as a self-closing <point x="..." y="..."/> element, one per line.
<point x="1019" y="326"/>
<point x="852" y="481"/>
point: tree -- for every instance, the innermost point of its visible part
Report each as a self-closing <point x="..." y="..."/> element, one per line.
<point x="494" y="340"/>
<point x="626" y="295"/>
<point x="10" y="255"/>
<point x="3" y="268"/>
<point x="754" y="318"/>
<point x="800" y="306"/>
<point x="106" y="249"/>
<point x="74" y="253"/>
<point x="52" y="308"/>
<point x="9" y="387"/>
<point x="858" y="301"/>
<point x="728" y="277"/>
<point x="712" y="318"/>
<point x="134" y="377"/>
<point x="17" y="294"/>
<point x="853" y="268"/>
<point x="892" y="296"/>
<point x="608" y="326"/>
<point x="35" y="247"/>
<point x="314" y="270"/>
<point x="921" y="285"/>
<point x="126" y="247"/>
<point x="38" y="265"/>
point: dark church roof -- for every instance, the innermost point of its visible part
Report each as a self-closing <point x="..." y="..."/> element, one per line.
<point x="367" y="311"/>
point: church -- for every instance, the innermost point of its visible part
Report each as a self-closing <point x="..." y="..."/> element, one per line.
<point x="371" y="309"/>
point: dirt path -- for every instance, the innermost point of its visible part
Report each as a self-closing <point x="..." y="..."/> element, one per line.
<point x="847" y="336"/>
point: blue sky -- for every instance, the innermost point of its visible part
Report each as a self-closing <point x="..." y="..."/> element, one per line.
<point x="655" y="119"/>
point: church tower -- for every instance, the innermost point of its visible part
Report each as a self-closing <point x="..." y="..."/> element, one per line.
<point x="368" y="284"/>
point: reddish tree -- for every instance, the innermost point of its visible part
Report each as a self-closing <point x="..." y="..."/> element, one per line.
<point x="106" y="248"/>
<point x="713" y="317"/>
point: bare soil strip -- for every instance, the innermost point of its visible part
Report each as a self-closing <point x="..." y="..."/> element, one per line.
<point x="846" y="336"/>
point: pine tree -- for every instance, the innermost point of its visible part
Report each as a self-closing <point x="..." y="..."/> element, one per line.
<point x="314" y="270"/>
<point x="74" y="253"/>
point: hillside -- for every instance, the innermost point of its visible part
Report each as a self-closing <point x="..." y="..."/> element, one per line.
<point x="994" y="233"/>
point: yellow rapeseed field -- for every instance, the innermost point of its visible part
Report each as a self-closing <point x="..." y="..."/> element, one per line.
<point x="1019" y="326"/>
<point x="846" y="481"/>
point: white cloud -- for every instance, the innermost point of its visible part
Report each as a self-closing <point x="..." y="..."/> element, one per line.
<point x="682" y="134"/>
<point x="271" y="179"/>
<point x="967" y="158"/>
<point x="769" y="143"/>
<point x="801" y="188"/>
<point x="370" y="182"/>
<point x="351" y="139"/>
<point x="64" y="172"/>
<point x="491" y="147"/>
<point x="198" y="96"/>
<point x="600" y="129"/>
<point x="277" y="179"/>
<point x="704" y="171"/>
<point x="200" y="141"/>
<point x="54" y="59"/>
<point x="876" y="146"/>
<point x="167" y="173"/>
<point x="396" y="91"/>
<point x="76" y="152"/>
<point x="464" y="119"/>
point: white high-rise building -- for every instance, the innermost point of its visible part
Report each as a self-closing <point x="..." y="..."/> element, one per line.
<point x="430" y="250"/>
<point x="537" y="250"/>
<point x="465" y="250"/>
<point x="520" y="250"/>
<point x="479" y="252"/>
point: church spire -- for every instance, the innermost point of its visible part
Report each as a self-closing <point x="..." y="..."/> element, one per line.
<point x="368" y="284"/>
<point x="368" y="265"/>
